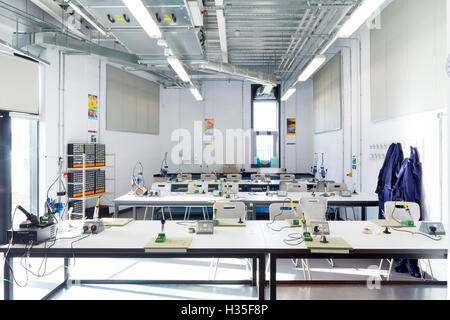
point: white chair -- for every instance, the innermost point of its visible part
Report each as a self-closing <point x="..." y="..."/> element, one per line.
<point x="233" y="187"/>
<point x="287" y="177"/>
<point x="184" y="176"/>
<point x="196" y="187"/>
<point x="395" y="210"/>
<point x="296" y="187"/>
<point x="284" y="211"/>
<point x="229" y="210"/>
<point x="257" y="177"/>
<point x="208" y="177"/>
<point x="315" y="209"/>
<point x="332" y="186"/>
<point x="234" y="176"/>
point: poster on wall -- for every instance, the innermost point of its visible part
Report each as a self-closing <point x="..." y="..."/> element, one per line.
<point x="291" y="131"/>
<point x="92" y="118"/>
<point x="208" y="132"/>
<point x="92" y="107"/>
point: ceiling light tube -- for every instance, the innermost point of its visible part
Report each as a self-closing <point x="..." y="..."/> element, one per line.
<point x="364" y="11"/>
<point x="85" y="17"/>
<point x="288" y="94"/>
<point x="312" y="67"/>
<point x="178" y="68"/>
<point x="196" y="93"/>
<point x="144" y="18"/>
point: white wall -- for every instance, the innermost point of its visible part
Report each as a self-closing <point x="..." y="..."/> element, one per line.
<point x="359" y="131"/>
<point x="299" y="157"/>
<point x="87" y="75"/>
<point x="229" y="103"/>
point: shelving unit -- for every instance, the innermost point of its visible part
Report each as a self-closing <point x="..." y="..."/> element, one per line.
<point x="84" y="170"/>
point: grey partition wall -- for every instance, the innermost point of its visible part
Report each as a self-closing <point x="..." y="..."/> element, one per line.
<point x="407" y="58"/>
<point x="327" y="96"/>
<point x="132" y="103"/>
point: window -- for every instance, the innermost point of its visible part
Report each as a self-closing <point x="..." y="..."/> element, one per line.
<point x="24" y="164"/>
<point x="265" y="125"/>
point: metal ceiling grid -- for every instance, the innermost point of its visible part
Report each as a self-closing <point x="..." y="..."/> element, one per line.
<point x="273" y="36"/>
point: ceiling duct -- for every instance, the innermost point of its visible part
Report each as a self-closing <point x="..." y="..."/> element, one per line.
<point x="70" y="44"/>
<point x="254" y="76"/>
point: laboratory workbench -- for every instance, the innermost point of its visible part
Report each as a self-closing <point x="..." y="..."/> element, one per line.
<point x="255" y="241"/>
<point x="251" y="199"/>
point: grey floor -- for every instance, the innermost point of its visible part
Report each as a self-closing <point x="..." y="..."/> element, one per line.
<point x="190" y="269"/>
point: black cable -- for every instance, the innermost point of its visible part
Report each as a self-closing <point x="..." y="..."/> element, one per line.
<point x="286" y="200"/>
<point x="408" y="231"/>
<point x="294" y="237"/>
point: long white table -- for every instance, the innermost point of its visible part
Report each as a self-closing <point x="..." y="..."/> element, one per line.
<point x="177" y="199"/>
<point x="129" y="241"/>
<point x="255" y="241"/>
<point x="397" y="245"/>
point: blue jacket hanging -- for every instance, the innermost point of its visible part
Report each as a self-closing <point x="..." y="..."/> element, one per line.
<point x="409" y="180"/>
<point x="387" y="177"/>
<point x="408" y="189"/>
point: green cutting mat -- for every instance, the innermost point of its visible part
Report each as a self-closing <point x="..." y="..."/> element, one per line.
<point x="229" y="223"/>
<point x="120" y="222"/>
<point x="334" y="243"/>
<point x="390" y="224"/>
<point x="170" y="243"/>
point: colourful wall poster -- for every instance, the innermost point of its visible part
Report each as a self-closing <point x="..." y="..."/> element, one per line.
<point x="291" y="126"/>
<point x="209" y="127"/>
<point x="92" y="107"/>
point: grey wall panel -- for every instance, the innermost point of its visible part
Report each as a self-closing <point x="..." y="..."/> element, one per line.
<point x="327" y="96"/>
<point x="132" y="103"/>
<point x="408" y="59"/>
<point x="19" y="85"/>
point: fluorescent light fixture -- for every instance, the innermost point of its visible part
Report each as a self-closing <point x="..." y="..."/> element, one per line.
<point x="85" y="17"/>
<point x="328" y="45"/>
<point x="365" y="10"/>
<point x="196" y="93"/>
<point x="288" y="94"/>
<point x="178" y="68"/>
<point x="144" y="18"/>
<point x="312" y="67"/>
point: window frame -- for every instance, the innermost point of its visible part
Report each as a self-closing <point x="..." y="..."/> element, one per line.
<point x="255" y="87"/>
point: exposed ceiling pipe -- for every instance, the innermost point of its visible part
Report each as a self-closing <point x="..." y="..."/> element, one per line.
<point x="53" y="9"/>
<point x="254" y="76"/>
<point x="62" y="41"/>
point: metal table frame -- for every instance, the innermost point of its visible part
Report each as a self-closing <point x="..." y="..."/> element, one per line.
<point x="250" y="204"/>
<point x="257" y="256"/>
<point x="354" y="254"/>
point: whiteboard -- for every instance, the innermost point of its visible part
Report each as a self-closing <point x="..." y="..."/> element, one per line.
<point x="407" y="59"/>
<point x="19" y="85"/>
